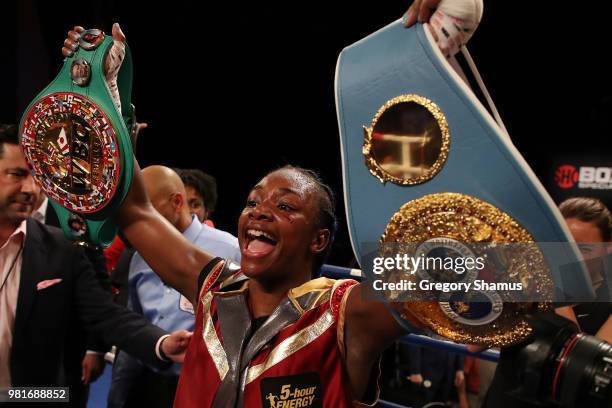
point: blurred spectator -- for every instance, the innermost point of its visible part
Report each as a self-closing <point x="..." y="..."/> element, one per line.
<point x="590" y="223"/>
<point x="436" y="373"/>
<point x="416" y="376"/>
<point x="201" y="191"/>
<point x="471" y="368"/>
<point x="88" y="346"/>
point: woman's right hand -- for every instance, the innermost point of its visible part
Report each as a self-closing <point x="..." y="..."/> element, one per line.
<point x="451" y="22"/>
<point x="113" y="60"/>
<point x="71" y="43"/>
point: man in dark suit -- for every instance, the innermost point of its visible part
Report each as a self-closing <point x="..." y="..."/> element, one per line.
<point x="86" y="347"/>
<point x="48" y="287"/>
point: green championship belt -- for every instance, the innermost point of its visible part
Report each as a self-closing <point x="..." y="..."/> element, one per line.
<point x="77" y="143"/>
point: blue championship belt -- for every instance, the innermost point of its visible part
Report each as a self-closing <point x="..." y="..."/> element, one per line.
<point x="77" y="143"/>
<point x="424" y="163"/>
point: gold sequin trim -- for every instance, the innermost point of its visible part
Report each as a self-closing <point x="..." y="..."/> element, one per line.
<point x="320" y="285"/>
<point x="292" y="345"/>
<point x="341" y="321"/>
<point x="211" y="340"/>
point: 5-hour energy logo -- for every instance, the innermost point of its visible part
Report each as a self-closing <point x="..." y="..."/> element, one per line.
<point x="292" y="397"/>
<point x="296" y="391"/>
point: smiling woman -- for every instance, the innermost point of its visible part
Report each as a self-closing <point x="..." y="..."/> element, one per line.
<point x="302" y="207"/>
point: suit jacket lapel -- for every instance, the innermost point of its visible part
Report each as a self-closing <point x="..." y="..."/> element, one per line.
<point x="51" y="216"/>
<point x="32" y="269"/>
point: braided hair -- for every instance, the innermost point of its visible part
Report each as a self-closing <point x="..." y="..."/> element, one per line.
<point x="327" y="209"/>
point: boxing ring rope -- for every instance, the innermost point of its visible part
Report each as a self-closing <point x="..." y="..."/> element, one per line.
<point x="425" y="341"/>
<point x="387" y="404"/>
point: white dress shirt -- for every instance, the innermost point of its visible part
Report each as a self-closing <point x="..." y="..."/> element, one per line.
<point x="10" y="272"/>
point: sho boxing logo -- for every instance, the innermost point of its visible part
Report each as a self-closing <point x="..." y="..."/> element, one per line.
<point x="598" y="178"/>
<point x="566" y="176"/>
<point x="295" y="391"/>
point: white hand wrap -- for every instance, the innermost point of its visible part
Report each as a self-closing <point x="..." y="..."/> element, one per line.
<point x="454" y="22"/>
<point x="112" y="63"/>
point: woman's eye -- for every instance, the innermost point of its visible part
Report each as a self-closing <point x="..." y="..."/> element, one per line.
<point x="251" y="203"/>
<point x="285" y="207"/>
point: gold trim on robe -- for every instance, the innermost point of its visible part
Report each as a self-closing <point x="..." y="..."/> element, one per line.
<point x="211" y="340"/>
<point x="292" y="344"/>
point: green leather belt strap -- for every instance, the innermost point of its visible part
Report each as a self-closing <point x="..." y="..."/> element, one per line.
<point x="83" y="218"/>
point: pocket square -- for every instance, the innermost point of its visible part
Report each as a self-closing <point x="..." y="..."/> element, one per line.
<point x="46" y="283"/>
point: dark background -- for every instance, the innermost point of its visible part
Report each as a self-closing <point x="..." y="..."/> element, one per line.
<point x="239" y="89"/>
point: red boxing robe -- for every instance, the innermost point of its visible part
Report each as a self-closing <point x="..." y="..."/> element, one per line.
<point x="295" y="359"/>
